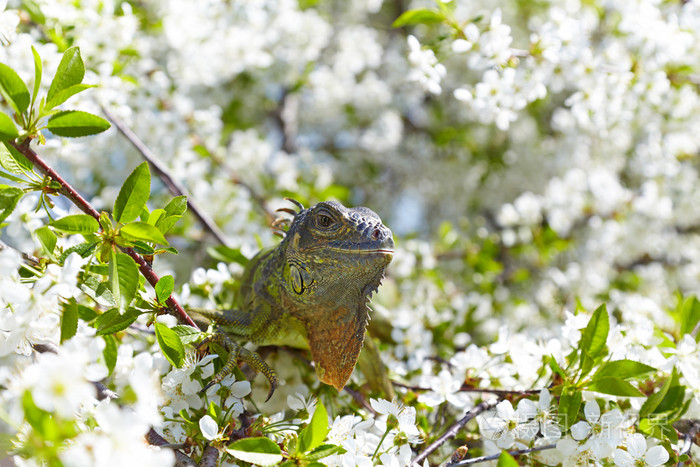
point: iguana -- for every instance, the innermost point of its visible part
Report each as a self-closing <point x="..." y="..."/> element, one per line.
<point x="311" y="291"/>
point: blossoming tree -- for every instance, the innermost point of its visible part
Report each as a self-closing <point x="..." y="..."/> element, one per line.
<point x="536" y="161"/>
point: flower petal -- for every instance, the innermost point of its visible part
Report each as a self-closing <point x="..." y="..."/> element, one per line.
<point x="636" y="445"/>
<point x="656" y="455"/>
<point x="580" y="430"/>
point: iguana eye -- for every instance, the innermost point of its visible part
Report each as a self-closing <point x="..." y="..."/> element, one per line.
<point x="324" y="221"/>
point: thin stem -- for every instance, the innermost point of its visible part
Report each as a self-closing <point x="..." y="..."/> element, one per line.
<point x="71" y="193"/>
<point x="498" y="392"/>
<point x="388" y="429"/>
<point x="454" y="429"/>
<point x="476" y="460"/>
<point x="161" y="170"/>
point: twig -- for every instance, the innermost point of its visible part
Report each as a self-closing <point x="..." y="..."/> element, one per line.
<point x="476" y="460"/>
<point x="498" y="392"/>
<point x="181" y="460"/>
<point x="70" y="192"/>
<point x="690" y="430"/>
<point x="31" y="260"/>
<point x="162" y="171"/>
<point x="454" y="429"/>
<point x="210" y="457"/>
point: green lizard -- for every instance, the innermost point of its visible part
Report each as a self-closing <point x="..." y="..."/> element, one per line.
<point x="311" y="291"/>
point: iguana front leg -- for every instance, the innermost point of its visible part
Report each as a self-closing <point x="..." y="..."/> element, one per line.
<point x="235" y="353"/>
<point x="238" y="324"/>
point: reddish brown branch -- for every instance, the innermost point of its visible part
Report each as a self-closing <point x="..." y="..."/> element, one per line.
<point x="70" y="192"/>
<point x="454" y="429"/>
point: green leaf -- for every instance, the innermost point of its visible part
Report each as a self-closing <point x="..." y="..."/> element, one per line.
<point x="227" y="254"/>
<point x="260" y="451"/>
<point x="506" y="460"/>
<point x="614" y="386"/>
<point x="97" y="290"/>
<point x="9" y="197"/>
<point x="14" y="161"/>
<point x="11" y="177"/>
<point x="13" y="89"/>
<point x="112" y="321"/>
<point x="83" y="249"/>
<point x="623" y="369"/>
<point x="76" y="224"/>
<point x="170" y="344"/>
<point x="153" y="217"/>
<point x="110" y="352"/>
<point x="76" y="123"/>
<point x="70" y="72"/>
<point x="569" y="405"/>
<point x="47" y="239"/>
<point x="65" y="94"/>
<point x="37" y="73"/>
<point x="176" y="206"/>
<point x="86" y="313"/>
<point x="690" y="315"/>
<point x="69" y="319"/>
<point x="187" y="334"/>
<point x="41" y="420"/>
<point x="142" y="231"/>
<point x="164" y="288"/>
<point x="595" y="335"/>
<point x="133" y="195"/>
<point x="123" y="278"/>
<point x="8" y="130"/>
<point x="313" y="435"/>
<point x="658" y="428"/>
<point x="418" y="16"/>
<point x="164" y="224"/>
<point x="555" y="367"/>
<point x="322" y="451"/>
<point x="655" y="399"/>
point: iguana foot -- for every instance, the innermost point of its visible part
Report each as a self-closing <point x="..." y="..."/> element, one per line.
<point x="237" y="352"/>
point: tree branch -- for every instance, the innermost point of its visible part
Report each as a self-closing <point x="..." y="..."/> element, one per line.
<point x="181" y="460"/>
<point x="162" y="171"/>
<point x="498" y="392"/>
<point x="476" y="460"/>
<point x="454" y="429"/>
<point x="68" y="191"/>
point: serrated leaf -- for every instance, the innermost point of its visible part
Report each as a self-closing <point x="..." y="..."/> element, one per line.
<point x="112" y="321"/>
<point x="69" y="319"/>
<point x="690" y="315"/>
<point x="569" y="405"/>
<point x="594" y="336"/>
<point x="260" y="451"/>
<point x="555" y="367"/>
<point x="86" y="313"/>
<point x="9" y="197"/>
<point x="65" y="94"/>
<point x="76" y="123"/>
<point x="47" y="239"/>
<point x="133" y="195"/>
<point x="315" y="433"/>
<point x="83" y="249"/>
<point x="187" y="334"/>
<point x="142" y="231"/>
<point x="13" y="89"/>
<point x="110" y="352"/>
<point x="76" y="224"/>
<point x="70" y="72"/>
<point x="614" y="386"/>
<point x="322" y="451"/>
<point x="166" y="223"/>
<point x="123" y="278"/>
<point x="623" y="369"/>
<point x="170" y="344"/>
<point x="11" y="178"/>
<point x="506" y="460"/>
<point x="13" y="160"/>
<point x="418" y="16"/>
<point x="227" y="254"/>
<point x="8" y="130"/>
<point x="176" y="206"/>
<point x="154" y="216"/>
<point x="37" y="73"/>
<point x="164" y="288"/>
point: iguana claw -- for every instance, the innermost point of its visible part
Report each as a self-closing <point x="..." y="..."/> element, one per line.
<point x="235" y="353"/>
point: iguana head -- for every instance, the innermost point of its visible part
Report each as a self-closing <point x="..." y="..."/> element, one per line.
<point x="335" y="258"/>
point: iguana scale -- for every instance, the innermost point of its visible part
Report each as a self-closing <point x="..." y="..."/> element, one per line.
<point x="312" y="290"/>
